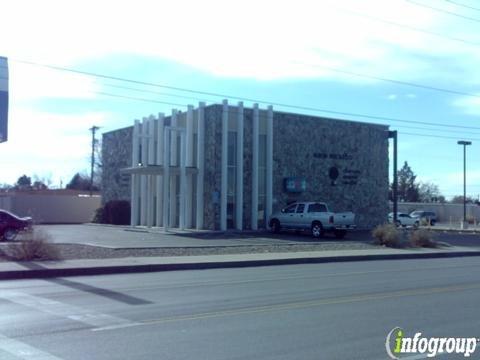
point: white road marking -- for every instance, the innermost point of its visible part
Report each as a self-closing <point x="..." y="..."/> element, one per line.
<point x="24" y="351"/>
<point x="57" y="308"/>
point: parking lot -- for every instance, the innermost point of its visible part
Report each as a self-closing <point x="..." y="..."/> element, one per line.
<point x="126" y="237"/>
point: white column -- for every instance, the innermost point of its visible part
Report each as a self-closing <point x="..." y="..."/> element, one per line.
<point x="173" y="162"/>
<point x="224" y="183"/>
<point x="150" y="178"/>
<point x="239" y="180"/>
<point x="189" y="162"/>
<point x="143" y="178"/>
<point x="183" y="180"/>
<point x="269" y="177"/>
<point x="135" y="160"/>
<point x="166" y="178"/>
<point x="255" y="167"/>
<point x="160" y="150"/>
<point x="200" y="163"/>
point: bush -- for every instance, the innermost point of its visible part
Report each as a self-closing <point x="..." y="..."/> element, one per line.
<point x="116" y="212"/>
<point x="422" y="238"/>
<point x="387" y="235"/>
<point x="32" y="246"/>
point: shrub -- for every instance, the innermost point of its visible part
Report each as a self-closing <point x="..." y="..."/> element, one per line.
<point x="422" y="238"/>
<point x="116" y="212"/>
<point x="32" y="246"/>
<point x="387" y="235"/>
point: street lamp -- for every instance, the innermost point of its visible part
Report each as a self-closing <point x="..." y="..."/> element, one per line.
<point x="464" y="143"/>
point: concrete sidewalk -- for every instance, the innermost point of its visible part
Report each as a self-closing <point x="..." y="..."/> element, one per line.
<point x="46" y="269"/>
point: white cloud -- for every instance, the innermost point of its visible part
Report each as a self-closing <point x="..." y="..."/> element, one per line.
<point x="469" y="105"/>
<point x="41" y="143"/>
<point x="250" y="39"/>
<point x="392" y="97"/>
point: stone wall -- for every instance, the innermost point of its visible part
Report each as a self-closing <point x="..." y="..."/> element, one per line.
<point x="344" y="163"/>
<point x="116" y="155"/>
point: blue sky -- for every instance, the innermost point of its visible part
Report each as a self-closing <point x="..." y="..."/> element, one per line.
<point x="301" y="53"/>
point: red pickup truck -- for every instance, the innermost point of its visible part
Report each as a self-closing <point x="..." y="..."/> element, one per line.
<point x="11" y="225"/>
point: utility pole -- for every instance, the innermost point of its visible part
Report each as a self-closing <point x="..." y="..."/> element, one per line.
<point x="93" y="129"/>
<point x="393" y="135"/>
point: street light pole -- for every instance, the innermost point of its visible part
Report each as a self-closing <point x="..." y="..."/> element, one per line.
<point x="393" y="135"/>
<point x="464" y="143"/>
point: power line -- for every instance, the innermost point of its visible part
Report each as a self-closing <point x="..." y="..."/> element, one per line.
<point x="440" y="136"/>
<point x="443" y="11"/>
<point x="234" y="113"/>
<point x="399" y="82"/>
<point x="284" y="105"/>
<point x="412" y="28"/>
<point x="462" y="5"/>
<point x="430" y="129"/>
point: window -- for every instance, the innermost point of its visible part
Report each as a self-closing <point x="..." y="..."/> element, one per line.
<point x="290" y="209"/>
<point x="317" y="208"/>
<point x="300" y="208"/>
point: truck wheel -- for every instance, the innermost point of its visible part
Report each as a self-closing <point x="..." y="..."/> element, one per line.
<point x="10" y="234"/>
<point x="275" y="226"/>
<point x="317" y="230"/>
<point x="340" y="234"/>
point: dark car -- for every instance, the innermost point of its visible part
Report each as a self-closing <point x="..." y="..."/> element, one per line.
<point x="11" y="225"/>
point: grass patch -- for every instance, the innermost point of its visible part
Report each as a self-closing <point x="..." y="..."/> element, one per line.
<point x="422" y="238"/>
<point x="388" y="235"/>
<point x="32" y="246"/>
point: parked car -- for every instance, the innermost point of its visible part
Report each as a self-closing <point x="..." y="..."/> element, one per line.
<point x="404" y="220"/>
<point x="11" y="225"/>
<point x="429" y="217"/>
<point x="313" y="216"/>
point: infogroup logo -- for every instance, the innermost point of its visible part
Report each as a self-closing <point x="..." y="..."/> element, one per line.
<point x="397" y="345"/>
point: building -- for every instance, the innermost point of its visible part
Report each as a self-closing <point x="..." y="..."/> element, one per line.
<point x="222" y="166"/>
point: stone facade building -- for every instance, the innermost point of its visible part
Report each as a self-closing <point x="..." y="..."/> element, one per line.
<point x="230" y="167"/>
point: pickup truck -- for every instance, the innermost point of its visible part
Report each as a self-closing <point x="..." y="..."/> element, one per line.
<point x="313" y="216"/>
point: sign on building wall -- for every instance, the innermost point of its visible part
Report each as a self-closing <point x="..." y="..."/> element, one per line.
<point x="3" y="99"/>
<point x="295" y="184"/>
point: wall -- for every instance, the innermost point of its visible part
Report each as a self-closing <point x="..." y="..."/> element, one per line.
<point x="446" y="213"/>
<point x="52" y="209"/>
<point x="116" y="155"/>
<point x="309" y="147"/>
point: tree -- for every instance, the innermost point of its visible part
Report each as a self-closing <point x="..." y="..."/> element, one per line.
<point x="24" y="182"/>
<point x="458" y="199"/>
<point x="80" y="182"/>
<point x="408" y="190"/>
<point x="429" y="192"/>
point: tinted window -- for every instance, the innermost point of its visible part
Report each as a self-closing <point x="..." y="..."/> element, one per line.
<point x="300" y="208"/>
<point x="317" y="208"/>
<point x="290" y="209"/>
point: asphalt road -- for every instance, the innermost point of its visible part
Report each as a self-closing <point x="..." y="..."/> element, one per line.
<point x="322" y="311"/>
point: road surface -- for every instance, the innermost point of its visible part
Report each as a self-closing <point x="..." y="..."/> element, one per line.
<point x="319" y="311"/>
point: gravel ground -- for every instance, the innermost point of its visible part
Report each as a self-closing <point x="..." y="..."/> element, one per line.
<point x="75" y="251"/>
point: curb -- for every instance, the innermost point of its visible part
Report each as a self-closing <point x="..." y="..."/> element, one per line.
<point x="37" y="271"/>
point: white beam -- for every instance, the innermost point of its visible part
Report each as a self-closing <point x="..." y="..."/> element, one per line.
<point x="173" y="162"/>
<point x="135" y="160"/>
<point x="200" y="164"/>
<point x="255" y="140"/>
<point x="239" y="180"/>
<point x="150" y="161"/>
<point x="183" y="182"/>
<point x="189" y="162"/>
<point x="224" y="183"/>
<point x="166" y="179"/>
<point x="269" y="177"/>
<point x="143" y="179"/>
<point x="160" y="150"/>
